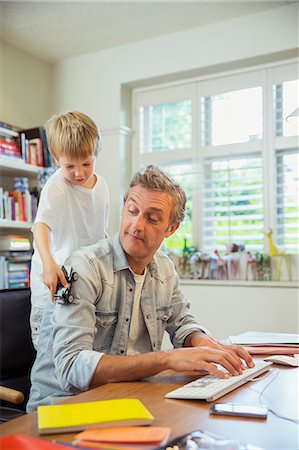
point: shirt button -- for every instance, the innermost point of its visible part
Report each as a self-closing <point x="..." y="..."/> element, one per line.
<point x="127" y="319"/>
<point x="122" y="351"/>
<point x="164" y="317"/>
<point x="130" y="289"/>
<point x="105" y="323"/>
<point x="154" y="344"/>
<point x="148" y="316"/>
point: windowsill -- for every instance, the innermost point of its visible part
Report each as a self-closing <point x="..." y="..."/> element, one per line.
<point x="238" y="283"/>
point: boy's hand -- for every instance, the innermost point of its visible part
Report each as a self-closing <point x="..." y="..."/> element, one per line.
<point x="52" y="275"/>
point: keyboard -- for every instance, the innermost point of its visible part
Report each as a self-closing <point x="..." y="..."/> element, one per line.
<point x="210" y="387"/>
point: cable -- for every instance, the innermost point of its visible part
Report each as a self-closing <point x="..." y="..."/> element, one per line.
<point x="276" y="373"/>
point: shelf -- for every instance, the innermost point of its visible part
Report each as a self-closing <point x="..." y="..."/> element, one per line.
<point x="8" y="132"/>
<point x="16" y="224"/>
<point x="10" y="165"/>
<point x="238" y="283"/>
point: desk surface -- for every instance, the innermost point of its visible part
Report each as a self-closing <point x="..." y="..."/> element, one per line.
<point x="186" y="415"/>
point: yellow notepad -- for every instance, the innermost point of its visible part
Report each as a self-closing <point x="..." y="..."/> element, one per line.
<point x="81" y="416"/>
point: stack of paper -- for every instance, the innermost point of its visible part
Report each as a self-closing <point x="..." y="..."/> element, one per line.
<point x="268" y="343"/>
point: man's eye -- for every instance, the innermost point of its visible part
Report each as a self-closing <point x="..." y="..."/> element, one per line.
<point x="87" y="164"/>
<point x="153" y="219"/>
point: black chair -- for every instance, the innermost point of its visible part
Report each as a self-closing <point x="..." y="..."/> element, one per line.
<point x="16" y="352"/>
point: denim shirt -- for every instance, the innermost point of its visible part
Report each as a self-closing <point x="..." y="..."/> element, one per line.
<point x="75" y="336"/>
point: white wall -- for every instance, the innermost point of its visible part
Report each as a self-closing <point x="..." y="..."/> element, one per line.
<point x="93" y="83"/>
<point x="99" y="84"/>
<point x="25" y="88"/>
<point x="228" y="310"/>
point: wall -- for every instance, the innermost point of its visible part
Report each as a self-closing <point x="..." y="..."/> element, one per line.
<point x="227" y="310"/>
<point x="93" y="83"/>
<point x="25" y="88"/>
<point x="100" y="84"/>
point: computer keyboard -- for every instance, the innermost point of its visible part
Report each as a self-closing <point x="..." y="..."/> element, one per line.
<point x="210" y="387"/>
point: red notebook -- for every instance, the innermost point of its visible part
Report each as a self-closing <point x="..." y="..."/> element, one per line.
<point x="22" y="442"/>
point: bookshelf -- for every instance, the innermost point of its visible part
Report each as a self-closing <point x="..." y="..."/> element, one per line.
<point x="23" y="153"/>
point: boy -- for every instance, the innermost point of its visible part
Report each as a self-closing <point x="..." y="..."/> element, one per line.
<point x="73" y="208"/>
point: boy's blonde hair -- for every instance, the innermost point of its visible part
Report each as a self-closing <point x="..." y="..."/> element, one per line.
<point x="74" y="135"/>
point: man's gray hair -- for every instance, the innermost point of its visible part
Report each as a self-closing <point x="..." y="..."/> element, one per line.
<point x="155" y="179"/>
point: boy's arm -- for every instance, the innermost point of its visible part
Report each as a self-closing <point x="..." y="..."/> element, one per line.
<point x="51" y="271"/>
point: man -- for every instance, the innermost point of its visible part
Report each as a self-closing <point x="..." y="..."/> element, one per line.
<point x="126" y="296"/>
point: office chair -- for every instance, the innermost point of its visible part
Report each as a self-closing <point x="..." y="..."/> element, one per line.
<point x="16" y="352"/>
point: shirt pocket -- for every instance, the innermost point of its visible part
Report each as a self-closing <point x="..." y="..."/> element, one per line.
<point x="106" y="322"/>
<point x="163" y="314"/>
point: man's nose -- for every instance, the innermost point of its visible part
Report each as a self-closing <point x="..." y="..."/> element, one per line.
<point x="139" y="222"/>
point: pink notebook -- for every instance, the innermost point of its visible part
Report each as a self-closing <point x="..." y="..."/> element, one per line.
<point x="271" y="350"/>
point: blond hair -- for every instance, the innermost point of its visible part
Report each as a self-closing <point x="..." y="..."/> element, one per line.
<point x="155" y="179"/>
<point x="73" y="134"/>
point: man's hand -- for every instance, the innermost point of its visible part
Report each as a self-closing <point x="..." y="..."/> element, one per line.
<point x="237" y="352"/>
<point x="52" y="273"/>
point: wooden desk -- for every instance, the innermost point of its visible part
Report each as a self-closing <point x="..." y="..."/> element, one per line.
<point x="185" y="415"/>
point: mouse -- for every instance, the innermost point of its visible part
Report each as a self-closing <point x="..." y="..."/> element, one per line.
<point x="283" y="359"/>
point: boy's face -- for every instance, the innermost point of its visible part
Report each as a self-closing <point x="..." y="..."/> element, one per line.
<point x="78" y="171"/>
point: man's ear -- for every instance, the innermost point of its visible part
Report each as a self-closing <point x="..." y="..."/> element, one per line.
<point x="172" y="229"/>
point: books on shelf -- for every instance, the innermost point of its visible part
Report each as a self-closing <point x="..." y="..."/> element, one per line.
<point x="81" y="416"/>
<point x="12" y="242"/>
<point x="20" y="204"/>
<point x="15" y="260"/>
<point x="34" y="146"/>
<point x="30" y="144"/>
<point x="9" y="140"/>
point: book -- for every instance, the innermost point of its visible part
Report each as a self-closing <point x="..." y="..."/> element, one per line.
<point x="103" y="413"/>
<point x="124" y="437"/>
<point x="272" y="350"/>
<point x="13" y="243"/>
<point x="276" y="339"/>
<point x="38" y="132"/>
<point x="20" y="441"/>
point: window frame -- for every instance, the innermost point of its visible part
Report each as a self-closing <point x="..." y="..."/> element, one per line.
<point x="265" y="75"/>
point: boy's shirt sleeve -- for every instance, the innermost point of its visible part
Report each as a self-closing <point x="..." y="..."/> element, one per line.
<point x="51" y="206"/>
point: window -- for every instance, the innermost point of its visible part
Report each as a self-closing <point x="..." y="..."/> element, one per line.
<point x="233" y="203"/>
<point x="287" y="200"/>
<point x="232" y="117"/>
<point x="165" y="126"/>
<point x="226" y="140"/>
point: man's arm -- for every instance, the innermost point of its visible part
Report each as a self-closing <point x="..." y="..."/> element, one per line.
<point x="124" y="368"/>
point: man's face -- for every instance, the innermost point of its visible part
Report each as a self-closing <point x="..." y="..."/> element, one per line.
<point x="145" y="223"/>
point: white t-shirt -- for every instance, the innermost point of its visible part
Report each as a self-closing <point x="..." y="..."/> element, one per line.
<point x="138" y="331"/>
<point x="77" y="216"/>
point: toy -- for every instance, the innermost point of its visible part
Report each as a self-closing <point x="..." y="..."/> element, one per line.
<point x="63" y="294"/>
<point x="278" y="257"/>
